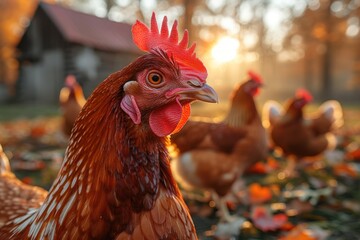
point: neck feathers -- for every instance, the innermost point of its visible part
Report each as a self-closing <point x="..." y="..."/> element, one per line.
<point x="243" y="110"/>
<point x="293" y="113"/>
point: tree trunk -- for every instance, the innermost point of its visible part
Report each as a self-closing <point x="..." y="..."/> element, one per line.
<point x="189" y="8"/>
<point x="327" y="89"/>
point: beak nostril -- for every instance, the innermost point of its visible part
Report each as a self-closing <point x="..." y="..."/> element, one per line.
<point x="194" y="83"/>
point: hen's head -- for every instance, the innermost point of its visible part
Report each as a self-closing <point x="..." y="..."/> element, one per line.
<point x="165" y="81"/>
<point x="302" y="97"/>
<point x="295" y="105"/>
<point x="251" y="86"/>
<point x="254" y="83"/>
<point x="71" y="90"/>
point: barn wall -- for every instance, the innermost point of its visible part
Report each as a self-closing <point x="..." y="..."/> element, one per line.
<point x="46" y="58"/>
<point x="41" y="62"/>
<point x="92" y="66"/>
<point x="41" y="81"/>
<point x="108" y="63"/>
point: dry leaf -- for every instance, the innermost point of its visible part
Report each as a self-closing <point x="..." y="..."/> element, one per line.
<point x="259" y="194"/>
<point x="264" y="220"/>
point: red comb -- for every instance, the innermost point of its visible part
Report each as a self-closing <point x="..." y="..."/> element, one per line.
<point x="150" y="38"/>
<point x="302" y="93"/>
<point x="254" y="76"/>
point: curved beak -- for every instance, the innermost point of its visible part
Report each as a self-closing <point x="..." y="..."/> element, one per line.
<point x="202" y="93"/>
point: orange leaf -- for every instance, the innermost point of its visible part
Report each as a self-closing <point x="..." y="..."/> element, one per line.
<point x="257" y="168"/>
<point x="273" y="163"/>
<point x="298" y="233"/>
<point x="27" y="180"/>
<point x="287" y="226"/>
<point x="354" y="155"/>
<point x="300" y="236"/>
<point x="259" y="194"/>
<point x="264" y="167"/>
<point x="37" y="131"/>
<point x="344" y="169"/>
<point x="230" y="205"/>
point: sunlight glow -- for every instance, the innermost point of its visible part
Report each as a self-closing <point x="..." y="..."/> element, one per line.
<point x="225" y="49"/>
<point x="352" y="31"/>
<point x="353" y="28"/>
<point x="250" y="39"/>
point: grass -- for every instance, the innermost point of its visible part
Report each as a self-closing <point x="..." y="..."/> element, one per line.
<point x="23" y="111"/>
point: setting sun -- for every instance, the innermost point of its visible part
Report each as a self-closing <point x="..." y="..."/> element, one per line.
<point x="225" y="49"/>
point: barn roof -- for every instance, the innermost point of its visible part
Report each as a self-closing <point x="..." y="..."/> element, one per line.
<point x="90" y="30"/>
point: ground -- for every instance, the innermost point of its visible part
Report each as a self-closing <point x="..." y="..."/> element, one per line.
<point x="321" y="202"/>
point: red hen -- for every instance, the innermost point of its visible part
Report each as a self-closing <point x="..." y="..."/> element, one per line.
<point x="115" y="181"/>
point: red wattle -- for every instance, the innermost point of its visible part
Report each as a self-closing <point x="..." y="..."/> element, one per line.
<point x="169" y="118"/>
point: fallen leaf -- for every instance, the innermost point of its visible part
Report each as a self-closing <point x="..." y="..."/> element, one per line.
<point x="296" y="206"/>
<point x="264" y="220"/>
<point x="305" y="232"/>
<point x="298" y="236"/>
<point x="27" y="180"/>
<point x="257" y="168"/>
<point x="259" y="194"/>
<point x="345" y="169"/>
<point x="271" y="164"/>
<point x="354" y="155"/>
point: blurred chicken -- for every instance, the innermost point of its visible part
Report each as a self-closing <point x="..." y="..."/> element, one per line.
<point x="4" y="162"/>
<point x="115" y="181"/>
<point x="71" y="101"/>
<point x="16" y="197"/>
<point x="298" y="135"/>
<point x="212" y="155"/>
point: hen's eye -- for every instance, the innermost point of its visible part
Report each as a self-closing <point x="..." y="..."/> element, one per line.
<point x="155" y="78"/>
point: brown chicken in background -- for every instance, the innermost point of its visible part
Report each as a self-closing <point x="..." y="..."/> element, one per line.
<point x="16" y="198"/>
<point x="115" y="181"/>
<point x="71" y="101"/>
<point x="213" y="156"/>
<point x="298" y="135"/>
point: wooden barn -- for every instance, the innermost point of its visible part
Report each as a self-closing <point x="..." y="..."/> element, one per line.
<point x="60" y="41"/>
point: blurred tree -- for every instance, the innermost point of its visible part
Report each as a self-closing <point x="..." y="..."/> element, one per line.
<point x="259" y="25"/>
<point x="13" y="18"/>
<point x="352" y="29"/>
<point x="323" y="28"/>
<point x="210" y="20"/>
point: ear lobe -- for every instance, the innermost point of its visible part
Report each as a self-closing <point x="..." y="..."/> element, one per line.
<point x="131" y="87"/>
<point x="129" y="105"/>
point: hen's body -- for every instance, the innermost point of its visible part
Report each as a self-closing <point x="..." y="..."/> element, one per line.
<point x="212" y="155"/>
<point x="115" y="181"/>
